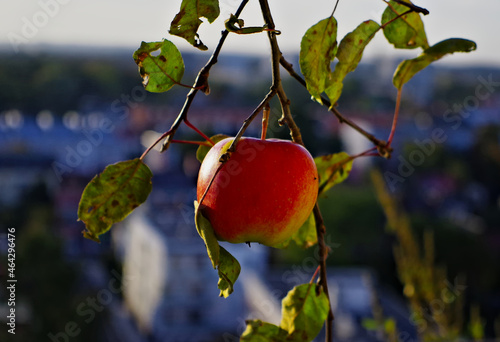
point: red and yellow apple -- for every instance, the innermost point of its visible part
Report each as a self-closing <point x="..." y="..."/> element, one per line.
<point x="263" y="193"/>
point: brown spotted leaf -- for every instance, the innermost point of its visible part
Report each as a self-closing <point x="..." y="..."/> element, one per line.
<point x="187" y="21"/>
<point x="406" y="32"/>
<point x="112" y="195"/>
<point x="349" y="55"/>
<point x="162" y="71"/>
<point x="317" y="50"/>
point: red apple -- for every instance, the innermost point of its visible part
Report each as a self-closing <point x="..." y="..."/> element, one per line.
<point x="264" y="193"/>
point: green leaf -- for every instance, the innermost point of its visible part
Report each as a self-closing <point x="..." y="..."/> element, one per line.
<point x="159" y="73"/>
<point x="349" y="54"/>
<point x="370" y="324"/>
<point x="408" y="68"/>
<point x="406" y="32"/>
<point x="333" y="169"/>
<point x="202" y="150"/>
<point x="229" y="269"/>
<point x="112" y="195"/>
<point x="304" y="311"/>
<point x="207" y="234"/>
<point x="187" y="21"/>
<point x="390" y="326"/>
<point x="317" y="50"/>
<point x="259" y="331"/>
<point x="227" y="266"/>
<point x="305" y="237"/>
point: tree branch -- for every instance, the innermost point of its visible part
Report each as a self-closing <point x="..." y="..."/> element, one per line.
<point x="287" y="118"/>
<point x="201" y="83"/>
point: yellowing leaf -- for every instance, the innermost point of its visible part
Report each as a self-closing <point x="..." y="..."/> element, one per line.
<point x="317" y="50"/>
<point x="259" y="331"/>
<point x="229" y="269"/>
<point x="161" y="72"/>
<point x="187" y="21"/>
<point x="408" y="68"/>
<point x="227" y="266"/>
<point x="202" y="150"/>
<point x="305" y="237"/>
<point x="207" y="234"/>
<point x="112" y="195"/>
<point x="332" y="169"/>
<point x="349" y="54"/>
<point x="406" y="32"/>
<point x="304" y="311"/>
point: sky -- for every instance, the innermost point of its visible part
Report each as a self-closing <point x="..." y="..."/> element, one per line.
<point x="125" y="23"/>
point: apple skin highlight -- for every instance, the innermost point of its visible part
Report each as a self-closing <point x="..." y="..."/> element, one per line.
<point x="264" y="193"/>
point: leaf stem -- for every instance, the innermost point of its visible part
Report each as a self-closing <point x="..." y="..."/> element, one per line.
<point x="335" y="8"/>
<point x="163" y="136"/>
<point x="199" y="143"/>
<point x="395" y="119"/>
<point x="194" y="128"/>
<point x="315" y="274"/>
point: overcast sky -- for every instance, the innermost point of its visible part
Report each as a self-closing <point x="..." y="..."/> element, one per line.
<point x="126" y="23"/>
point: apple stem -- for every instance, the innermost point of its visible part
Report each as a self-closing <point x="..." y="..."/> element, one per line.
<point x="265" y="120"/>
<point x="248" y="121"/>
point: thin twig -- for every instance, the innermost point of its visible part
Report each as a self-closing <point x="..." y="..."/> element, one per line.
<point x="296" y="137"/>
<point x="335" y="8"/>
<point x="200" y="83"/>
<point x="412" y="7"/>
<point x="248" y="121"/>
<point x="323" y="254"/>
